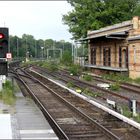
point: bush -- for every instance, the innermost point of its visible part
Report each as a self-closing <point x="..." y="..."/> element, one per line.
<point x="88" y="92"/>
<point x="137" y="80"/>
<point x="8" y="85"/>
<point x="7" y="94"/>
<point x="137" y="118"/>
<point x="126" y="112"/>
<point x="66" y="58"/>
<point x="87" y="77"/>
<point x="117" y="77"/>
<point x="53" y="66"/>
<point x="70" y="84"/>
<point x="115" y="86"/>
<point x="75" y="69"/>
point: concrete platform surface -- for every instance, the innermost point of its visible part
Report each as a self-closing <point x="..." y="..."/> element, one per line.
<point x="5" y="126"/>
<point x="31" y="124"/>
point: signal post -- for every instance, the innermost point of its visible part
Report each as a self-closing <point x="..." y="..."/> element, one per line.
<point x="4" y="47"/>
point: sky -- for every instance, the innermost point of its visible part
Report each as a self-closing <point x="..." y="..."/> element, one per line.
<point x="42" y="19"/>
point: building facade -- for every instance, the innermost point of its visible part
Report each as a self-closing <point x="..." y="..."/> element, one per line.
<point x="115" y="48"/>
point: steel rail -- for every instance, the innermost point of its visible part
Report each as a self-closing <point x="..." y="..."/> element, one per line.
<point x="101" y="128"/>
<point x="53" y="123"/>
<point x="98" y="88"/>
<point x="127" y="86"/>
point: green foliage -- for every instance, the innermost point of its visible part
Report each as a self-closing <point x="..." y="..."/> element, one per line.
<point x="41" y="63"/>
<point x="126" y="112"/>
<point x="117" y="77"/>
<point x="70" y="84"/>
<point x="115" y="86"/>
<point x="137" y="80"/>
<point x="75" y="69"/>
<point x="8" y="85"/>
<point x="121" y="78"/>
<point x="88" y="92"/>
<point x="137" y="118"/>
<point x="137" y="11"/>
<point x="94" y="14"/>
<point x="33" y="46"/>
<point x="52" y="65"/>
<point x="7" y="94"/>
<point x="87" y="77"/>
<point x="38" y="63"/>
<point x="66" y="58"/>
<point x="82" y="50"/>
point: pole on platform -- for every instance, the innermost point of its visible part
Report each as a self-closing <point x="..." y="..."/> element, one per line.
<point x="134" y="108"/>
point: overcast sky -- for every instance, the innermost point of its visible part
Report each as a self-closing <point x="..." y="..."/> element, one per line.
<point x="42" y="19"/>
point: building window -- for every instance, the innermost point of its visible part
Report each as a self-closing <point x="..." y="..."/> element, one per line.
<point x="107" y="56"/>
<point x="120" y="57"/>
<point x="127" y="56"/>
<point x="93" y="56"/>
<point x="123" y="57"/>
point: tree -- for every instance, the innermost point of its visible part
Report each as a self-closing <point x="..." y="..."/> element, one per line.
<point x="94" y="14"/>
<point x="28" y="44"/>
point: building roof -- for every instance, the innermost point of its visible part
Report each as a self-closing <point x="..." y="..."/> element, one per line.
<point x="116" y="35"/>
<point x="132" y="38"/>
<point x="117" y="31"/>
<point x="112" y="27"/>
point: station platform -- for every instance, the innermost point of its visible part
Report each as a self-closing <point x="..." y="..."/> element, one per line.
<point x="25" y="121"/>
<point x="106" y="68"/>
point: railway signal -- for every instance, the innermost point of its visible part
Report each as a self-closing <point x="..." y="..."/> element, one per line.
<point x="4" y="39"/>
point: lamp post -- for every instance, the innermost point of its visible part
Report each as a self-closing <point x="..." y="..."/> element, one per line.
<point x="17" y="48"/>
<point x="26" y="47"/>
<point x="35" y="50"/>
<point x="42" y="51"/>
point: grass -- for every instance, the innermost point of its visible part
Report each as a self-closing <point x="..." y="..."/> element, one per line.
<point x="121" y="78"/>
<point x="137" y="118"/>
<point x="7" y="94"/>
<point x="88" y="92"/>
<point x="50" y="65"/>
<point x="53" y="66"/>
<point x="115" y="86"/>
<point x="117" y="77"/>
<point x="126" y="112"/>
<point x="87" y="77"/>
<point x="70" y="84"/>
<point x="137" y="80"/>
<point x="75" y="69"/>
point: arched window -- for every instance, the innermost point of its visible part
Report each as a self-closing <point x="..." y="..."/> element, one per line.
<point x="93" y="56"/>
<point x="107" y="56"/>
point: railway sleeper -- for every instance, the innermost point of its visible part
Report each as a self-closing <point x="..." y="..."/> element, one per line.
<point x="86" y="136"/>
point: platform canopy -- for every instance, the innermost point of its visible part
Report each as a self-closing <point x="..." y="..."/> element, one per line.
<point x="116" y="31"/>
<point x="132" y="38"/>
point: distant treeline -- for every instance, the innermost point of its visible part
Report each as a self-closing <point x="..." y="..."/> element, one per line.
<point x="27" y="44"/>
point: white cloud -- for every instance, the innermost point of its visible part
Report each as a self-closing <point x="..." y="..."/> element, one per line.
<point x="42" y="19"/>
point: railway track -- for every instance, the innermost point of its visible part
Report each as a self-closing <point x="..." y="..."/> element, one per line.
<point x="77" y="118"/>
<point x="78" y="125"/>
<point x="125" y="85"/>
<point x="128" y="86"/>
<point x="120" y="98"/>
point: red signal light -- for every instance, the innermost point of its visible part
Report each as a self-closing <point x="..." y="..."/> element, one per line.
<point x="1" y="35"/>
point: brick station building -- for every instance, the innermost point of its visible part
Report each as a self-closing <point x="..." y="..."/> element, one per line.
<point x="115" y="48"/>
